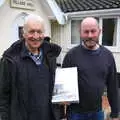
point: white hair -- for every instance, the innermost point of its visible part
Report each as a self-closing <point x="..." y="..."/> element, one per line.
<point x="32" y="17"/>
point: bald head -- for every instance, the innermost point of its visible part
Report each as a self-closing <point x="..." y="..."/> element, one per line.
<point x="89" y="21"/>
<point x="89" y="32"/>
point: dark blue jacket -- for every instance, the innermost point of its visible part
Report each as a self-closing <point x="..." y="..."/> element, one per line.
<point x="16" y="68"/>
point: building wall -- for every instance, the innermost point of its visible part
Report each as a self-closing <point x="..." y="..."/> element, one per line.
<point x="10" y="18"/>
<point x="60" y="35"/>
<point x="56" y="36"/>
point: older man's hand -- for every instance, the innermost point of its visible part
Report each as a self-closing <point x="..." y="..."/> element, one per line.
<point x="64" y="103"/>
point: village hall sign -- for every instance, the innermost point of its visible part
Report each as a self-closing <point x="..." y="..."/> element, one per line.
<point x="24" y="4"/>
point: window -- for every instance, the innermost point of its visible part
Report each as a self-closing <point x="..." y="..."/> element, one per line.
<point x="20" y="32"/>
<point x="75" y="34"/>
<point x="109" y="31"/>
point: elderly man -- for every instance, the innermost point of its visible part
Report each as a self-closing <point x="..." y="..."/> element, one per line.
<point x="27" y="75"/>
<point x="96" y="69"/>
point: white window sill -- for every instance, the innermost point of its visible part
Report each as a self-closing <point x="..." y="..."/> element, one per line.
<point x="113" y="49"/>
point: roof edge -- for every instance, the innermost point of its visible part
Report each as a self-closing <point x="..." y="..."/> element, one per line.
<point x="57" y="12"/>
<point x="106" y="12"/>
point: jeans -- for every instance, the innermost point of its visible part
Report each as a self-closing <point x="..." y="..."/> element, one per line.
<point x="86" y="116"/>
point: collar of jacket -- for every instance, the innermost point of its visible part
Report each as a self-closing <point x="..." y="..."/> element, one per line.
<point x="25" y="52"/>
<point x="18" y="49"/>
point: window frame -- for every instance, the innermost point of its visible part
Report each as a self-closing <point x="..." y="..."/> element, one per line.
<point x="70" y="27"/>
<point x="111" y="48"/>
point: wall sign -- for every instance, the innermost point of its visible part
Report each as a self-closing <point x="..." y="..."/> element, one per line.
<point x="24" y="4"/>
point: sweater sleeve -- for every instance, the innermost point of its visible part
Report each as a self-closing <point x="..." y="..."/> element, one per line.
<point x="112" y="89"/>
<point x="67" y="60"/>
